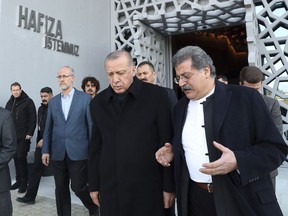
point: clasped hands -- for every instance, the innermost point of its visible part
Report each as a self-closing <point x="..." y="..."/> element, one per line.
<point x="225" y="164"/>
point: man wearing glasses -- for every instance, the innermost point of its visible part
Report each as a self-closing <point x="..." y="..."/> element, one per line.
<point x="65" y="143"/>
<point x="225" y="144"/>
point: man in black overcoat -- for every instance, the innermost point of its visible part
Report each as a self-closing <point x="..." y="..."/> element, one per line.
<point x="24" y="113"/>
<point x="225" y="144"/>
<point x="131" y="120"/>
<point x="8" y="142"/>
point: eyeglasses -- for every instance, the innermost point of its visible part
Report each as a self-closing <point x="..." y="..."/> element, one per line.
<point x="63" y="76"/>
<point x="184" y="77"/>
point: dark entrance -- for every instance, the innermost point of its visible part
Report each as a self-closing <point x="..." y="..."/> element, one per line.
<point x="226" y="46"/>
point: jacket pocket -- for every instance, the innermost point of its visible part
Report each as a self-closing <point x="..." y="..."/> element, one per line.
<point x="266" y="196"/>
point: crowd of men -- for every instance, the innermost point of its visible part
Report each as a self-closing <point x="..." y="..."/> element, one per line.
<point x="133" y="148"/>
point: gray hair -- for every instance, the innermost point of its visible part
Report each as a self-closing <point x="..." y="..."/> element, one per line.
<point x="200" y="59"/>
<point x="70" y="69"/>
<point x="119" y="53"/>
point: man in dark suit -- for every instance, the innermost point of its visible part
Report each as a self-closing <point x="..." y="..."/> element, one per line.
<point x="65" y="139"/>
<point x="37" y="169"/>
<point x="252" y="76"/>
<point x="146" y="72"/>
<point x="225" y="144"/>
<point x="131" y="120"/>
<point x="8" y="142"/>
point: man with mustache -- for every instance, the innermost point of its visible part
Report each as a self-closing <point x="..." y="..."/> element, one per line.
<point x="90" y="85"/>
<point x="146" y="72"/>
<point x="46" y="94"/>
<point x="225" y="144"/>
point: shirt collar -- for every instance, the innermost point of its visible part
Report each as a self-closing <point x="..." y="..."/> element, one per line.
<point x="206" y="97"/>
<point x="71" y="93"/>
<point x="134" y="89"/>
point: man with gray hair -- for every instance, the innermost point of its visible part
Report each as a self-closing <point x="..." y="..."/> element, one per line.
<point x="65" y="143"/>
<point x="225" y="144"/>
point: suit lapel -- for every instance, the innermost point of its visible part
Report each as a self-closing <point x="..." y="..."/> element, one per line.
<point x="180" y="120"/>
<point x="73" y="103"/>
<point x="59" y="106"/>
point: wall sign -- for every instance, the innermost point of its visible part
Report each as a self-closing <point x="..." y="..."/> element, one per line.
<point x="51" y="27"/>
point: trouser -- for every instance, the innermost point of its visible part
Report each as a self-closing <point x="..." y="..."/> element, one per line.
<point x="5" y="204"/>
<point x="20" y="159"/>
<point x="77" y="172"/>
<point x="36" y="173"/>
<point x="200" y="201"/>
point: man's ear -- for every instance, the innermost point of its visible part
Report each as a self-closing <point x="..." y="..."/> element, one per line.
<point x="134" y="70"/>
<point x="207" y="71"/>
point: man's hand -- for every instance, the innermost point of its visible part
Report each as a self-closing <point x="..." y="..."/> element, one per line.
<point x="95" y="196"/>
<point x="40" y="143"/>
<point x="225" y="164"/>
<point x="45" y="159"/>
<point x="28" y="137"/>
<point x="168" y="199"/>
<point x="165" y="155"/>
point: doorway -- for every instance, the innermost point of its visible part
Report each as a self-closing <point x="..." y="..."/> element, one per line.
<point x="226" y="46"/>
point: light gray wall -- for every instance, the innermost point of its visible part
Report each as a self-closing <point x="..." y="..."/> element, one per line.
<point x="24" y="59"/>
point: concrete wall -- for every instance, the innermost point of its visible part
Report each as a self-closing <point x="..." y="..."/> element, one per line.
<point x="23" y="57"/>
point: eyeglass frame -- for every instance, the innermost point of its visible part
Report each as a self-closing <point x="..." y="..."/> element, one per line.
<point x="63" y="76"/>
<point x="182" y="77"/>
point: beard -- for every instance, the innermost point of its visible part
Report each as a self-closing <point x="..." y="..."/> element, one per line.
<point x="64" y="87"/>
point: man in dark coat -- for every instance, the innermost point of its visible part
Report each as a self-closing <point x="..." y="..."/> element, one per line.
<point x="252" y="76"/>
<point x="37" y="170"/>
<point x="8" y="142"/>
<point x="131" y="120"/>
<point x="222" y="162"/>
<point x="24" y="113"/>
<point x="146" y="72"/>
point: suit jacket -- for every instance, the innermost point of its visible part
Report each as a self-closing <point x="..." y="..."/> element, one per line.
<point x="122" y="164"/>
<point x="241" y="122"/>
<point x="71" y="135"/>
<point x="274" y="108"/>
<point x="172" y="97"/>
<point x="8" y="142"/>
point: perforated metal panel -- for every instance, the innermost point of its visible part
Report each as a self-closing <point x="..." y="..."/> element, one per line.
<point x="144" y="26"/>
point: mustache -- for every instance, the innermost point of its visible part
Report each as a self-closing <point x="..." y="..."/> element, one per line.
<point x="186" y="88"/>
<point x="43" y="101"/>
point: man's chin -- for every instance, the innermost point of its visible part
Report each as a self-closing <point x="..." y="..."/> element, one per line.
<point x="63" y="87"/>
<point x="119" y="91"/>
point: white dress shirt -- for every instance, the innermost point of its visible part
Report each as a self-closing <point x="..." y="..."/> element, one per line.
<point x="66" y="101"/>
<point x="194" y="140"/>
